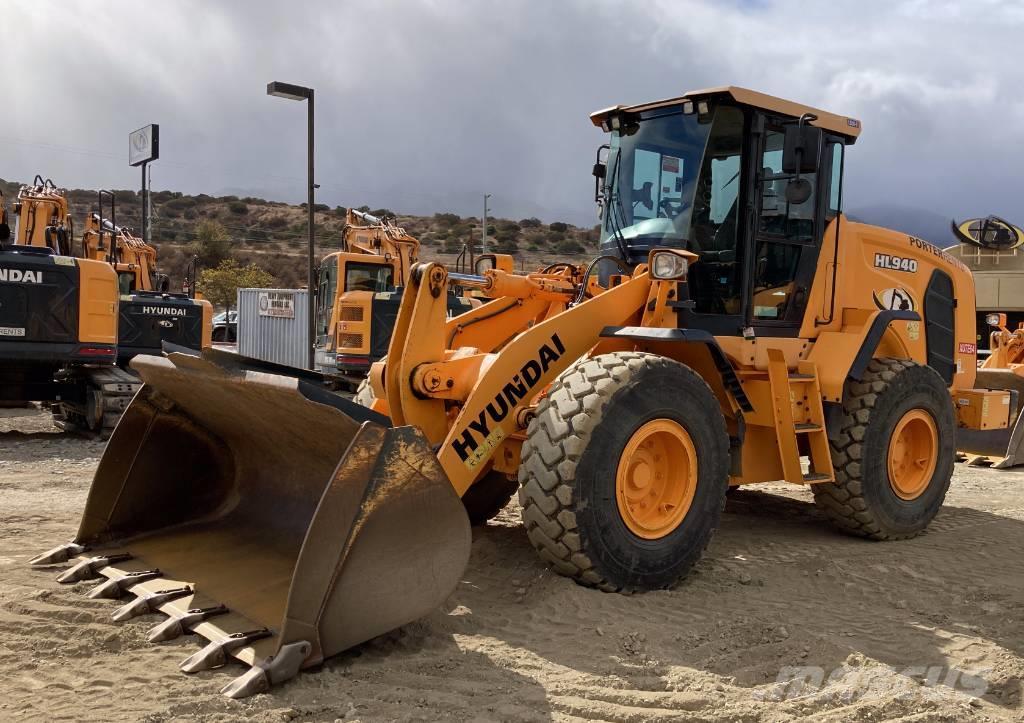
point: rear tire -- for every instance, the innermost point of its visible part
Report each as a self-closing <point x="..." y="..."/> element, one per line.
<point x="486" y="498"/>
<point x="578" y="511"/>
<point x="870" y="498"/>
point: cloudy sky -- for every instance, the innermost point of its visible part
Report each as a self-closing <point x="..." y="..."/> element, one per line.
<point x="422" y="105"/>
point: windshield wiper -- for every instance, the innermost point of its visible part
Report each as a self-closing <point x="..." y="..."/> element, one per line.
<point x="616" y="205"/>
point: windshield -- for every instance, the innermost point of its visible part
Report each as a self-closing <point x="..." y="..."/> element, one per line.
<point x="665" y="176"/>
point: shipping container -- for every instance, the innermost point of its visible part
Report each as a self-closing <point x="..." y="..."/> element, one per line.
<point x="272" y="325"/>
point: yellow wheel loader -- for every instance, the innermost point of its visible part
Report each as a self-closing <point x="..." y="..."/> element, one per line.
<point x="58" y="316"/>
<point x="735" y="331"/>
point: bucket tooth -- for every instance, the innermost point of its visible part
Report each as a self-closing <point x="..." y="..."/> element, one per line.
<point x="271" y="671"/>
<point x="90" y="568"/>
<point x="115" y="587"/>
<point x="147" y="602"/>
<point x="216" y="653"/>
<point x="178" y="625"/>
<point x="61" y="553"/>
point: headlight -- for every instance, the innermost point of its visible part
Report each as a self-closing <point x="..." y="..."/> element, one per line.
<point x="997" y="320"/>
<point x="667" y="265"/>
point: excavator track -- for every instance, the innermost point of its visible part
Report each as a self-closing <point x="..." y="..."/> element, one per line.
<point x="107" y="392"/>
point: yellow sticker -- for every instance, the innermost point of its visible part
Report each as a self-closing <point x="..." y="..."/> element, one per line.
<point x="63" y="261"/>
<point x="482" y="452"/>
<point x="914" y="330"/>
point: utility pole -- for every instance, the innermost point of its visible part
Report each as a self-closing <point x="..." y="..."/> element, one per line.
<point x="298" y="92"/>
<point x="483" y="235"/>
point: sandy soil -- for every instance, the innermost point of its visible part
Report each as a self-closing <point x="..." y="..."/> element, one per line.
<point x="895" y="629"/>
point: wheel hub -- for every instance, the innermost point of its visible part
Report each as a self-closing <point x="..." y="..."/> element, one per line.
<point x="911" y="459"/>
<point x="656" y="478"/>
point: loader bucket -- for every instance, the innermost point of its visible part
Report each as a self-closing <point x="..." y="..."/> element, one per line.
<point x="251" y="509"/>
<point x="999" y="448"/>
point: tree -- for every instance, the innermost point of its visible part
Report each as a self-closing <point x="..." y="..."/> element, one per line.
<point x="558" y="226"/>
<point x="212" y="244"/>
<point x="221" y="284"/>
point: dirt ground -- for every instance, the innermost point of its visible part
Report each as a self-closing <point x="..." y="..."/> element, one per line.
<point x="930" y="629"/>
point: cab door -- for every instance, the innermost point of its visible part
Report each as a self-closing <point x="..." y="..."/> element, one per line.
<point x="786" y="239"/>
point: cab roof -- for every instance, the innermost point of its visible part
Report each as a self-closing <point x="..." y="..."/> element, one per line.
<point x="845" y="126"/>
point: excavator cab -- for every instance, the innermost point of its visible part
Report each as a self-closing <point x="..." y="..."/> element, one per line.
<point x="149" y="314"/>
<point x="359" y="290"/>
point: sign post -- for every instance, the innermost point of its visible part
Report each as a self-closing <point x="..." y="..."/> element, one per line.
<point x="143" y="147"/>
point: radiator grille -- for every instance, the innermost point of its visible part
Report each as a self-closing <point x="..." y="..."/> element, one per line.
<point x="350" y="341"/>
<point x="351" y="313"/>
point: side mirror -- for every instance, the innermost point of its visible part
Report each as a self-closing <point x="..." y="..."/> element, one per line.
<point x="600" y="171"/>
<point x="801" y="148"/>
<point x="798" y="191"/>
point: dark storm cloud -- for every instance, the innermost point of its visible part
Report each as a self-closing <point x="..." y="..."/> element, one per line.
<point x="423" y="105"/>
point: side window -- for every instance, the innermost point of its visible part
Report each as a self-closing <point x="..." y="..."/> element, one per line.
<point x="836" y="180"/>
<point x="779" y="217"/>
<point x="784" y="230"/>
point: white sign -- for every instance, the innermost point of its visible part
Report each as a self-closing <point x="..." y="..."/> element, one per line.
<point x="12" y="331"/>
<point x="144" y="145"/>
<point x="277" y="303"/>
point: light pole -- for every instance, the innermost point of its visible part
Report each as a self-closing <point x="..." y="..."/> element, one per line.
<point x="298" y="92"/>
<point x="483" y="238"/>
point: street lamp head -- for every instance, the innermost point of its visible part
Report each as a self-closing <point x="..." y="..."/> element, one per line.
<point x="289" y="91"/>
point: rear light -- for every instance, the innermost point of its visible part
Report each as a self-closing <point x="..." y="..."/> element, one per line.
<point x="353" y="359"/>
<point x="96" y="351"/>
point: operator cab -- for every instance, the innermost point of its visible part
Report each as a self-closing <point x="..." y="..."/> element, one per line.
<point x="746" y="181"/>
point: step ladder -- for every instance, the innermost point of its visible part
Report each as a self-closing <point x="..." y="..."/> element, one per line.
<point x="797" y="410"/>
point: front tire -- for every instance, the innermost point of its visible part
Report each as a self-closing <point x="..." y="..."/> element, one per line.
<point x="599" y="502"/>
<point x="894" y="453"/>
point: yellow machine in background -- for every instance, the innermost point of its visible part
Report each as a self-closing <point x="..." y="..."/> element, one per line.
<point x="58" y="317"/>
<point x="737" y="329"/>
<point x="992" y="249"/>
<point x="149" y="314"/>
<point x="357" y="300"/>
<point x="41" y="217"/>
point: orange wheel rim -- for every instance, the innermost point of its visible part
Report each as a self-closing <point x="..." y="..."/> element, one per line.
<point x="913" y="449"/>
<point x="656" y="479"/>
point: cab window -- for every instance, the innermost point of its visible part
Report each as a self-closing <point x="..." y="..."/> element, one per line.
<point x="125" y="282"/>
<point x="716" y="282"/>
<point x="784" y="230"/>
<point x="368" y="277"/>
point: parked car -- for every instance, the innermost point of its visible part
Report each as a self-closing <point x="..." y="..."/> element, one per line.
<point x="225" y="328"/>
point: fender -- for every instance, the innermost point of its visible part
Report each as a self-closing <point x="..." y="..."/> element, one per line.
<point x="698" y="336"/>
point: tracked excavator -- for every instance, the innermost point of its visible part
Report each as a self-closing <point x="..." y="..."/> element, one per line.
<point x="58" y="316"/>
<point x="734" y="337"/>
<point x="149" y="314"/>
<point x="359" y="292"/>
